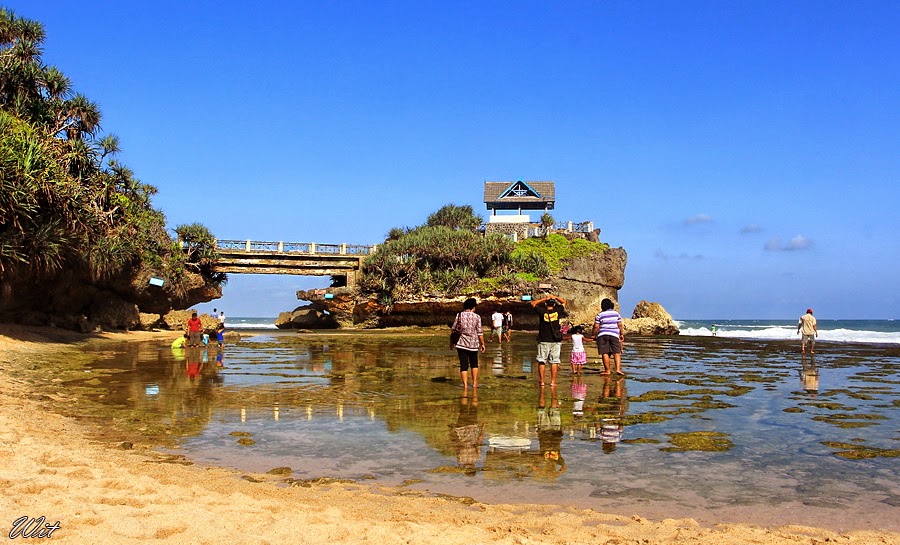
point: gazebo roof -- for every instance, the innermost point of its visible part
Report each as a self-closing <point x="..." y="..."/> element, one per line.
<point x="519" y="195"/>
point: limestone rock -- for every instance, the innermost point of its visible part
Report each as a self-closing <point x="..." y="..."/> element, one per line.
<point x="114" y="313"/>
<point x="176" y="320"/>
<point x="149" y="321"/>
<point x="650" y="318"/>
<point x="305" y="317"/>
<point x="588" y="280"/>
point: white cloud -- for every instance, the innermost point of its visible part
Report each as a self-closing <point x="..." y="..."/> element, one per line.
<point x="750" y="229"/>
<point x="659" y="254"/>
<point x="797" y="243"/>
<point x="698" y="219"/>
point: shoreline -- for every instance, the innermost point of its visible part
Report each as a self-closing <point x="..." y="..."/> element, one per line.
<point x="61" y="468"/>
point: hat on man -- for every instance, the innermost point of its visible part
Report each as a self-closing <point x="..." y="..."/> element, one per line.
<point x="809" y="311"/>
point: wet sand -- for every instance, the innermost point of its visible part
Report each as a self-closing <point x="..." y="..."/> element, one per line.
<point x="99" y="490"/>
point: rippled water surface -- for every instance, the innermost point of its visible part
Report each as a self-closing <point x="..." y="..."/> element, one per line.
<point x="710" y="428"/>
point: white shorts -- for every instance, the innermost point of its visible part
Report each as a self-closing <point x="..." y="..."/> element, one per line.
<point x="548" y="353"/>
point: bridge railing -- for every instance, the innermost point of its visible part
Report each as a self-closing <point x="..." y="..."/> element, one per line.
<point x="309" y="248"/>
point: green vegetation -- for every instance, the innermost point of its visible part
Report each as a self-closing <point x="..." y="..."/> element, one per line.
<point x="67" y="206"/>
<point x="556" y="250"/>
<point x="448" y="256"/>
<point x="858" y="452"/>
<point x="455" y="217"/>
<point x="706" y="441"/>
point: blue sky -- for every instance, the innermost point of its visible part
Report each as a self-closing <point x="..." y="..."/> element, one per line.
<point x="745" y="154"/>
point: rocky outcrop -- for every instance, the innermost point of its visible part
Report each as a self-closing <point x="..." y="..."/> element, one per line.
<point x="305" y="317"/>
<point x="584" y="283"/>
<point x="650" y="319"/>
<point x="177" y="320"/>
<point x="73" y="302"/>
<point x="587" y="281"/>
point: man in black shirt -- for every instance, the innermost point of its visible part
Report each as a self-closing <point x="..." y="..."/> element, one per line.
<point x="549" y="310"/>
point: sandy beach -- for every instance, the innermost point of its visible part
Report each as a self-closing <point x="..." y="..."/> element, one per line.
<point x="65" y="480"/>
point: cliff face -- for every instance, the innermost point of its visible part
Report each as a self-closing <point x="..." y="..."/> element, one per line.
<point x="586" y="281"/>
<point x="74" y="302"/>
<point x="583" y="283"/>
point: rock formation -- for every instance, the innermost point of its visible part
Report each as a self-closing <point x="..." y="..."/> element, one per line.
<point x="580" y="283"/>
<point x="650" y="319"/>
<point x="305" y="317"/>
<point x="78" y="303"/>
<point x="584" y="283"/>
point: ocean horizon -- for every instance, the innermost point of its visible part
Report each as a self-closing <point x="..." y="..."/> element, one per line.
<point x="851" y="331"/>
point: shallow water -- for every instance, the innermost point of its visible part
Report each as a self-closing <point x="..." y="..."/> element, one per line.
<point x="710" y="428"/>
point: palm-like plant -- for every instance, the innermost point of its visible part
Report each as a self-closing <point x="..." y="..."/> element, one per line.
<point x="65" y="202"/>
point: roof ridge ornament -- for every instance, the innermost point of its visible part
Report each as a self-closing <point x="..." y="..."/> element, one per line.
<point x="520" y="189"/>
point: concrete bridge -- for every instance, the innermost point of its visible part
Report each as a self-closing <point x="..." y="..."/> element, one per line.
<point x="300" y="258"/>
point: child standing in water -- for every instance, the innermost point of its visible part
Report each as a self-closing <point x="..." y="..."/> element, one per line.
<point x="579" y="356"/>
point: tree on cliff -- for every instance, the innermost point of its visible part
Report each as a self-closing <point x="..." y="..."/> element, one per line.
<point x="69" y="211"/>
<point x="455" y="217"/>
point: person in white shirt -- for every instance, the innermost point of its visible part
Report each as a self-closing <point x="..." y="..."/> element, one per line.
<point x="496" y="327"/>
<point x="810" y="331"/>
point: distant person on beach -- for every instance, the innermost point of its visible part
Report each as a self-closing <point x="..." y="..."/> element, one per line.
<point x="549" y="310"/>
<point x="194" y="326"/>
<point x="807" y="326"/>
<point x="220" y="318"/>
<point x="471" y="341"/>
<point x="609" y="331"/>
<point x="714" y="330"/>
<point x="579" y="356"/>
<point x="220" y="335"/>
<point x="496" y="326"/>
<point x="507" y="324"/>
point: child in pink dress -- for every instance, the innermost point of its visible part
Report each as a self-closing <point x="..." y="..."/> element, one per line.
<point x="579" y="356"/>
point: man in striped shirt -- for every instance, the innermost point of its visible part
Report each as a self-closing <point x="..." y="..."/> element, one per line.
<point x="609" y="330"/>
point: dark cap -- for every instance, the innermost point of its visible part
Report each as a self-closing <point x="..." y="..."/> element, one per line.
<point x="809" y="311"/>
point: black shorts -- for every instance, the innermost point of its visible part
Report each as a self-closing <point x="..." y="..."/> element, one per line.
<point x="467" y="359"/>
<point x="607" y="344"/>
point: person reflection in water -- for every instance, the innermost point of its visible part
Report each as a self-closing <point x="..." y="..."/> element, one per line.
<point x="611" y="410"/>
<point x="549" y="429"/>
<point x="809" y="375"/>
<point x="193" y="366"/>
<point x="468" y="434"/>
<point x="579" y="394"/>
